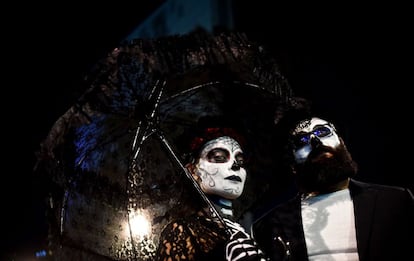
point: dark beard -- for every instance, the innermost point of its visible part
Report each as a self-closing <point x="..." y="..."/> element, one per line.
<point x="320" y="174"/>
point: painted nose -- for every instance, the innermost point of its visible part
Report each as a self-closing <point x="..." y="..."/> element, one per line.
<point x="235" y="166"/>
<point x="315" y="141"/>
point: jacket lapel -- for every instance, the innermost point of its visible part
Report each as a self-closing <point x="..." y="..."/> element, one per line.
<point x="364" y="205"/>
<point x="294" y="229"/>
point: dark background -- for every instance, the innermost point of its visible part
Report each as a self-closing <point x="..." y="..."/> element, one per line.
<point x="352" y="61"/>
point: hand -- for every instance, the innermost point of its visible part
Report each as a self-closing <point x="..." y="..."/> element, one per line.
<point x="241" y="247"/>
<point x="234" y="227"/>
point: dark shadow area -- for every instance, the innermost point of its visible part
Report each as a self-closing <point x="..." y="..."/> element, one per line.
<point x="351" y="61"/>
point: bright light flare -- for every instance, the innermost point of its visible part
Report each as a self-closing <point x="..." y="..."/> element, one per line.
<point x="140" y="226"/>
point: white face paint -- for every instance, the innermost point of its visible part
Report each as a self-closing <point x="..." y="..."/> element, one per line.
<point x="316" y="128"/>
<point x="221" y="168"/>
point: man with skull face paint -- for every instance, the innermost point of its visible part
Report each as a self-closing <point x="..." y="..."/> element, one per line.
<point x="334" y="216"/>
<point x="218" y="165"/>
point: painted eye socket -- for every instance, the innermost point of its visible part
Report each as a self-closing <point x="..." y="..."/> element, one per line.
<point x="218" y="155"/>
<point x="303" y="139"/>
<point x="240" y="159"/>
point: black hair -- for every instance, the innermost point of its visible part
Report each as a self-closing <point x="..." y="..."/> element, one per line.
<point x="286" y="119"/>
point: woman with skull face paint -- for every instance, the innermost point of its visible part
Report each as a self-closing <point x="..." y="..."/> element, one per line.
<point x="217" y="163"/>
<point x="334" y="216"/>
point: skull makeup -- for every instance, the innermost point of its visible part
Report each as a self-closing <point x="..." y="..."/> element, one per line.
<point x="220" y="168"/>
<point x="309" y="134"/>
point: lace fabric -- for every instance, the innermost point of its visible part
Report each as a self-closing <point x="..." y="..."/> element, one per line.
<point x="192" y="238"/>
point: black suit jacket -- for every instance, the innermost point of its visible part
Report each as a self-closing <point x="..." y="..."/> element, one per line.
<point x="384" y="222"/>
